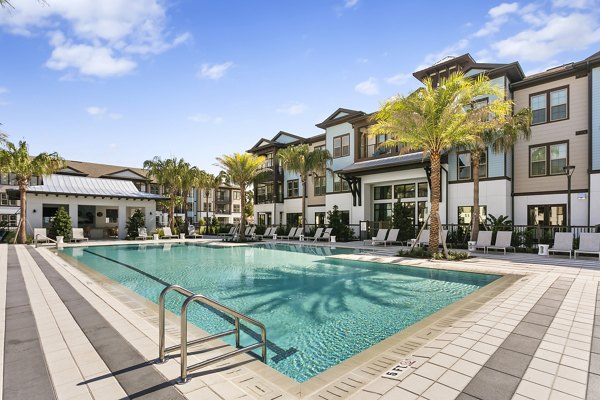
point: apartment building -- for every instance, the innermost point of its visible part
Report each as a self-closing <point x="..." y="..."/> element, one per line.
<point x="367" y="180"/>
<point x="102" y="213"/>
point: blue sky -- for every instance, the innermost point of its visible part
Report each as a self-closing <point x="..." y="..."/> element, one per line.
<point x="122" y="81"/>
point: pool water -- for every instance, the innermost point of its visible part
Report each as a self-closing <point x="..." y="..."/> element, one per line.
<point x="318" y="311"/>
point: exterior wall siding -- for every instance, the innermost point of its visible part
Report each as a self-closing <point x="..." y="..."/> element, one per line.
<point x="595" y="128"/>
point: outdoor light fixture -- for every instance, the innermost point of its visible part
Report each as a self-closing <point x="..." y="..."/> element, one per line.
<point x="34" y="210"/>
<point x="568" y="170"/>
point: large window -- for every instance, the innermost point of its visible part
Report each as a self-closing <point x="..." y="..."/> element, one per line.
<point x="547" y="214"/>
<point x="320" y="185"/>
<point x="558" y="109"/>
<point x="237" y="208"/>
<point x="411" y="196"/>
<point x="339" y="184"/>
<point x="465" y="166"/>
<point x="236" y="194"/>
<point x="382" y="192"/>
<point x="8" y="179"/>
<point x="264" y="193"/>
<point x="154" y="189"/>
<point x="292" y="188"/>
<point x="320" y="218"/>
<point x="341" y="146"/>
<point x="405" y="191"/>
<point x="5" y="201"/>
<point x="49" y="211"/>
<point x="294" y="219"/>
<point x="548" y="159"/>
<point x="112" y="215"/>
<point x="382" y="211"/>
<point x="465" y="213"/>
<point x="8" y="220"/>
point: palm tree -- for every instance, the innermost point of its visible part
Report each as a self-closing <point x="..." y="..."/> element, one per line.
<point x="211" y="183"/>
<point x="434" y="119"/>
<point x="168" y="173"/>
<point x="241" y="169"/>
<point x="304" y="162"/>
<point x="189" y="178"/>
<point x="500" y="140"/>
<point x="16" y="159"/>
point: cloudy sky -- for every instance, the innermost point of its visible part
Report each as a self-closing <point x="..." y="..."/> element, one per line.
<point x="122" y="81"/>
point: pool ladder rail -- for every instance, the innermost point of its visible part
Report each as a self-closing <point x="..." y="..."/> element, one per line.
<point x="192" y="297"/>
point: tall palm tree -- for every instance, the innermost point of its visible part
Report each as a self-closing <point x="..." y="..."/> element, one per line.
<point x="189" y="178"/>
<point x="304" y="162"/>
<point x="241" y="169"/>
<point x="168" y="174"/>
<point x="211" y="183"/>
<point x="434" y="119"/>
<point x="16" y="159"/>
<point x="500" y="140"/>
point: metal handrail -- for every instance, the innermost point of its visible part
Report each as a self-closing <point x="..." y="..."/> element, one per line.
<point x="192" y="298"/>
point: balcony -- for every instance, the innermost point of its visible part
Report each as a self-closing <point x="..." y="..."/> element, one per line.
<point x="268" y="199"/>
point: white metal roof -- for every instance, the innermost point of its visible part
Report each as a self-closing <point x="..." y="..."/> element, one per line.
<point x="81" y="185"/>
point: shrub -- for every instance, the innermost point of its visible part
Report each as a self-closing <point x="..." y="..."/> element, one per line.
<point x="136" y="221"/>
<point x="401" y="219"/>
<point x="61" y="225"/>
<point x="421" y="252"/>
<point x="341" y="231"/>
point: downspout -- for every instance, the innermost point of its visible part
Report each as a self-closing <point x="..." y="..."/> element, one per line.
<point x="590" y="142"/>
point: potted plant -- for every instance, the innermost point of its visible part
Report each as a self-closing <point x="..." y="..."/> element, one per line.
<point x="61" y="227"/>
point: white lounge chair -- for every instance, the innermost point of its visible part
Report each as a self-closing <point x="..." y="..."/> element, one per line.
<point x="423" y="240"/>
<point x="379" y="238"/>
<point x="392" y="237"/>
<point x="267" y="233"/>
<point x="503" y="239"/>
<point x="192" y="232"/>
<point x="290" y="234"/>
<point x="484" y="240"/>
<point x="589" y="243"/>
<point x="326" y="234"/>
<point x="317" y="234"/>
<point x="167" y="234"/>
<point x="230" y="233"/>
<point x="77" y="235"/>
<point x="251" y="232"/>
<point x="563" y="243"/>
<point x="299" y="232"/>
<point x="143" y="234"/>
<point x="40" y="235"/>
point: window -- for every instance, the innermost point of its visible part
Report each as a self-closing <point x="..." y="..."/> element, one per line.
<point x="236" y="194"/>
<point x="264" y="193"/>
<point x="49" y="211"/>
<point x="558" y="99"/>
<point x="207" y="206"/>
<point x="339" y="184"/>
<point x="341" y="146"/>
<point x="4" y="200"/>
<point x="154" y="189"/>
<point x="404" y="191"/>
<point x="294" y="219"/>
<point x="268" y="163"/>
<point x="382" y="212"/>
<point x="222" y="209"/>
<point x="112" y="215"/>
<point x="547" y="215"/>
<point x="320" y="185"/>
<point x="382" y="192"/>
<point x="320" y="218"/>
<point x="464" y="166"/>
<point x="237" y="208"/>
<point x="345" y="217"/>
<point x="370" y="146"/>
<point x="422" y="212"/>
<point x="292" y="188"/>
<point x="8" y="220"/>
<point x="35" y="180"/>
<point x="555" y="155"/>
<point x="222" y="195"/>
<point x="423" y="189"/>
<point x="465" y="212"/>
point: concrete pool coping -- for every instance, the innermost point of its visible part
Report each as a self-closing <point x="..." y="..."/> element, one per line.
<point x="429" y="346"/>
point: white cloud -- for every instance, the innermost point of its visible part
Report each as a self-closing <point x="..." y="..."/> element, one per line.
<point x="292" y="108"/>
<point x="362" y="60"/>
<point x="581" y="4"/>
<point x="205" y="119"/>
<point x="102" y="112"/>
<point x="450" y="50"/>
<point x="399" y="79"/>
<point x="214" y="71"/>
<point x="350" y="3"/>
<point x="370" y="87"/>
<point x="499" y="16"/>
<point x="122" y="28"/>
<point x="560" y="33"/>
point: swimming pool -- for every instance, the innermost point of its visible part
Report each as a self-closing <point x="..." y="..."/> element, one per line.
<point x="318" y="311"/>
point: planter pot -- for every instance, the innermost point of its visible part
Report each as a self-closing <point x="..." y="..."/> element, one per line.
<point x="182" y="236"/>
<point x="60" y="239"/>
<point x="471" y="245"/>
<point x="155" y="236"/>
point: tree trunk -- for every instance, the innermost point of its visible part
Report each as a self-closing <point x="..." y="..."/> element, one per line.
<point x="172" y="213"/>
<point x="207" y="230"/>
<point x="303" y="204"/>
<point x="184" y="207"/>
<point x="434" y="229"/>
<point x="22" y="234"/>
<point x="243" y="216"/>
<point x="475" y="157"/>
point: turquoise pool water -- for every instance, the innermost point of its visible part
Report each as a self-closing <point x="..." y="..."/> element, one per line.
<point x="318" y="311"/>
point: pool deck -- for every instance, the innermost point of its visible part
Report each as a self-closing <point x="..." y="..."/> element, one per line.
<point x="70" y="333"/>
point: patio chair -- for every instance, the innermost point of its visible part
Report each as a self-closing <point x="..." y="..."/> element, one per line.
<point x="251" y="232"/>
<point x="267" y="233"/>
<point x="192" y="232"/>
<point x="563" y="243"/>
<point x="230" y="233"/>
<point x="143" y="234"/>
<point x="392" y="237"/>
<point x="298" y="233"/>
<point x="167" y="234"/>
<point x="326" y="234"/>
<point x="77" y="235"/>
<point x="40" y="235"/>
<point x="423" y="240"/>
<point x="503" y="239"/>
<point x="290" y="234"/>
<point x="589" y="243"/>
<point x="484" y="240"/>
<point x="317" y="234"/>
<point x="379" y="238"/>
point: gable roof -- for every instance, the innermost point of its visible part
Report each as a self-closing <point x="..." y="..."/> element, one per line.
<point x="339" y="116"/>
<point x="281" y="134"/>
<point x="95" y="170"/>
<point x="126" y="173"/>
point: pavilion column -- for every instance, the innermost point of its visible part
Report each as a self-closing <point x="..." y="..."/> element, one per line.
<point x="122" y="221"/>
<point x="74" y="214"/>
